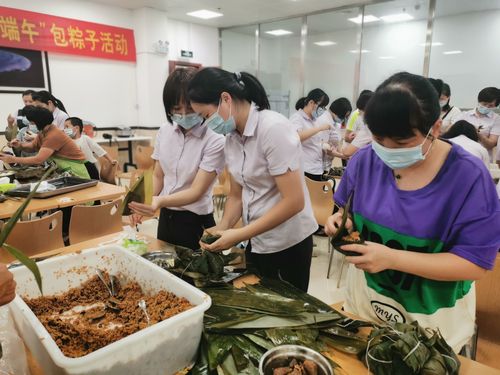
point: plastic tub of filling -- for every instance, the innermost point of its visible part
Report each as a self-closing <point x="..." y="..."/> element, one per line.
<point x="163" y="348"/>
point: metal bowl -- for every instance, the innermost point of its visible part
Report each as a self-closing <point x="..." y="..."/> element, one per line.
<point x="281" y="356"/>
<point x="162" y="259"/>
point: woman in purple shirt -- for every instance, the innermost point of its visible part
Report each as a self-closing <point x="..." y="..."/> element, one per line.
<point x="427" y="210"/>
<point x="188" y="158"/>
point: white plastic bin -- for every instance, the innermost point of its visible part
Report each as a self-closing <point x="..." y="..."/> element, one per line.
<point x="164" y="348"/>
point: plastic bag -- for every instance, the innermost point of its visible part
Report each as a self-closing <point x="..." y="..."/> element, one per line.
<point x="13" y="361"/>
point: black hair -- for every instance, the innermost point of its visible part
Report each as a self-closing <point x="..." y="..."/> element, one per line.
<point x="28" y="92"/>
<point x="175" y="91"/>
<point x="318" y="96"/>
<point x="42" y="117"/>
<point x="341" y="107"/>
<point x="45" y="96"/>
<point x="437" y="84"/>
<point x="208" y="84"/>
<point x="363" y="99"/>
<point x="76" y="121"/>
<point x="446" y="91"/>
<point x="462" y="127"/>
<point x="488" y="95"/>
<point x="403" y="103"/>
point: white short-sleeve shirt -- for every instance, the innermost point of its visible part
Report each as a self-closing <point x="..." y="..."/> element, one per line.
<point x="89" y="147"/>
<point x="363" y="137"/>
<point x="331" y="136"/>
<point x="182" y="155"/>
<point x="451" y="117"/>
<point x="269" y="147"/>
<point x="312" y="151"/>
<point x="490" y="123"/>
<point x="59" y="118"/>
<point x="472" y="147"/>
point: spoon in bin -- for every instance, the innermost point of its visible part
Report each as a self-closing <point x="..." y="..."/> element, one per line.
<point x="142" y="306"/>
<point x="100" y="274"/>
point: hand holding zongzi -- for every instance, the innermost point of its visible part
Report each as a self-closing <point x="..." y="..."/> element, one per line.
<point x="228" y="239"/>
<point x="145" y="209"/>
<point x="373" y="258"/>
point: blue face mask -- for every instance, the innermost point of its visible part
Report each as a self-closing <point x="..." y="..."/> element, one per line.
<point x="32" y="128"/>
<point x="69" y="132"/>
<point x="219" y="125"/>
<point x="483" y="110"/>
<point x="317" y="112"/>
<point x="399" y="158"/>
<point x="188" y="121"/>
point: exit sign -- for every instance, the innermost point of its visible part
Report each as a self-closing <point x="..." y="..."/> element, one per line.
<point x="185" y="53"/>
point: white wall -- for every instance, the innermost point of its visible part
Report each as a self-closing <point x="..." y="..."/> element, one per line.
<point x="115" y="93"/>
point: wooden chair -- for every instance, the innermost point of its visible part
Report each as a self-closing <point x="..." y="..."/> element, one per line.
<point x="487" y="308"/>
<point x="35" y="236"/>
<point x="89" y="222"/>
<point x="321" y="194"/>
<point x="108" y="171"/>
<point x="143" y="160"/>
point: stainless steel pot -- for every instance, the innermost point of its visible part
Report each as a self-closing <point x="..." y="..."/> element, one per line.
<point x="281" y="356"/>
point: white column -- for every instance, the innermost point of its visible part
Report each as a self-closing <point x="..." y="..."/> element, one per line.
<point x="150" y="26"/>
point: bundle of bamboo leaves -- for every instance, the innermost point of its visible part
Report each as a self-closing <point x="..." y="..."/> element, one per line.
<point x="202" y="267"/>
<point x="409" y="349"/>
<point x="243" y="324"/>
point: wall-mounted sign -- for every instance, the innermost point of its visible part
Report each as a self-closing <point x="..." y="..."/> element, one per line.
<point x="185" y="53"/>
<point x="43" y="32"/>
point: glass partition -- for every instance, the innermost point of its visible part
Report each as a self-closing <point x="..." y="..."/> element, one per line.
<point x="238" y="49"/>
<point x="466" y="52"/>
<point x="330" y="63"/>
<point x="394" y="37"/>
<point x="280" y="65"/>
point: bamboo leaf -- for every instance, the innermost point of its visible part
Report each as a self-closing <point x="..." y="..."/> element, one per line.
<point x="218" y="349"/>
<point x="30" y="263"/>
<point x="137" y="193"/>
<point x="248" y="347"/>
<point x="260" y="341"/>
<point x="239" y="358"/>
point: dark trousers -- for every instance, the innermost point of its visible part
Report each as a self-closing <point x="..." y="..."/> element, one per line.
<point x="92" y="169"/>
<point x="314" y="177"/>
<point x="183" y="228"/>
<point x="292" y="264"/>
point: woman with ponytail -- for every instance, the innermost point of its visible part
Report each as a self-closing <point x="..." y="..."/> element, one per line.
<point x="310" y="132"/>
<point x="267" y="187"/>
<point x="46" y="100"/>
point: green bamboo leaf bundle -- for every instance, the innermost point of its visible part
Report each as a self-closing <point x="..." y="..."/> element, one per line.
<point x="242" y="324"/>
<point x="406" y="349"/>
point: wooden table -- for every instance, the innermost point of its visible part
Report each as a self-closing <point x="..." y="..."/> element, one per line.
<point x="101" y="191"/>
<point x="350" y="364"/>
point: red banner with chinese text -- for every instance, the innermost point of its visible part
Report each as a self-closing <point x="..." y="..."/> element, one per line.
<point x="43" y="32"/>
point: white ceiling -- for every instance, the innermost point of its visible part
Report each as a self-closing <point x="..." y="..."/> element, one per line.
<point x="245" y="12"/>
<point x="236" y="12"/>
<point x="338" y="20"/>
